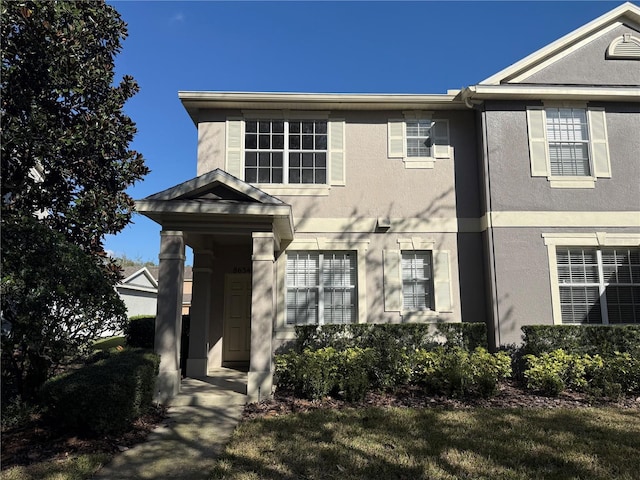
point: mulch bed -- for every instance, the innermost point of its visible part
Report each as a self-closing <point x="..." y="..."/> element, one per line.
<point x="39" y="441"/>
<point x="509" y="396"/>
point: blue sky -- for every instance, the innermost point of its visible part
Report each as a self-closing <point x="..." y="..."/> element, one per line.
<point x="353" y="47"/>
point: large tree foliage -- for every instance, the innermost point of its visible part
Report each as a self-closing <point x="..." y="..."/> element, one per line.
<point x="66" y="163"/>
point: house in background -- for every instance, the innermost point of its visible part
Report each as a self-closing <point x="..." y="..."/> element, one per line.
<point x="139" y="290"/>
<point x="512" y="202"/>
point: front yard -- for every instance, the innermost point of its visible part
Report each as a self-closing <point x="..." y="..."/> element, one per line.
<point x="437" y="444"/>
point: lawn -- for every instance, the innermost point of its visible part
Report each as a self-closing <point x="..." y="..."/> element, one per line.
<point x="437" y="444"/>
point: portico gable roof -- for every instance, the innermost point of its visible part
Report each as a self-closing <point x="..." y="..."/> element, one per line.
<point x="217" y="197"/>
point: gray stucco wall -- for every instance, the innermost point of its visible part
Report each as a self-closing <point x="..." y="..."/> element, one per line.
<point x="138" y="302"/>
<point x="588" y="65"/>
<point x="523" y="287"/>
<point x="513" y="188"/>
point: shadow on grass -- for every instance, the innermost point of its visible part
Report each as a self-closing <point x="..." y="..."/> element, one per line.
<point x="437" y="444"/>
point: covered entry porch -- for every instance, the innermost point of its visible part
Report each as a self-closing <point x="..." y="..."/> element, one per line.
<point x="236" y="232"/>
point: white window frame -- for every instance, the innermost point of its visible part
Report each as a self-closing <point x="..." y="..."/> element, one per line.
<point x="283" y="331"/>
<point x="286" y="150"/>
<point x="440" y="148"/>
<point x="598" y="150"/>
<point x="427" y="281"/>
<point x="596" y="240"/>
<point x="321" y="287"/>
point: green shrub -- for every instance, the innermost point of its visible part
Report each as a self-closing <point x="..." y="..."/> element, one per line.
<point x="106" y="396"/>
<point x="355" y="366"/>
<point x="468" y="336"/>
<point x="552" y="373"/>
<point x="455" y="371"/>
<point x="581" y="339"/>
<point x="614" y="375"/>
<point x="141" y="331"/>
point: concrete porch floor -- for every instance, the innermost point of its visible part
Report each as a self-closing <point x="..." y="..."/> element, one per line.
<point x="185" y="446"/>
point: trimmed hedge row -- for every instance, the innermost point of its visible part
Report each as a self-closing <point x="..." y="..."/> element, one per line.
<point x="389" y="337"/>
<point x="352" y="372"/>
<point x="106" y="396"/>
<point x="581" y="339"/>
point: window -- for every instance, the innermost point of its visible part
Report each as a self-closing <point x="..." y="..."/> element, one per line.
<point x="568" y="145"/>
<point x="419" y="140"/>
<point x="285" y="151"/>
<point x="321" y="287"/>
<point x="417" y="280"/>
<point x="568" y="141"/>
<point x="599" y="285"/>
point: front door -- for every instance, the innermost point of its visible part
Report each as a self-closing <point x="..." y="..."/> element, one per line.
<point x="236" y="342"/>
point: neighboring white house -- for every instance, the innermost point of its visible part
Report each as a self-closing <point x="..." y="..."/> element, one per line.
<point x="139" y="290"/>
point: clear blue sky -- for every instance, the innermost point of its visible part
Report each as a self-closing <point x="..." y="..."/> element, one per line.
<point x="354" y="47"/>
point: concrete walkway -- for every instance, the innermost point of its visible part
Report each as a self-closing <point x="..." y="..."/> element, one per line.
<point x="200" y="421"/>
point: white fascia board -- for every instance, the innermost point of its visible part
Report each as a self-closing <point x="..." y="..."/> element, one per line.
<point x="533" y="92"/>
<point x="183" y="207"/>
<point x="195" y="100"/>
<point x="627" y="10"/>
<point x="135" y="288"/>
<point x="143" y="271"/>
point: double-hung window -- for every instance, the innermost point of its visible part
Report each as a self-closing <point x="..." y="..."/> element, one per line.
<point x="419" y="140"/>
<point x="568" y="145"/>
<point x="417" y="280"/>
<point x="568" y="137"/>
<point x="285" y="151"/>
<point x="599" y="285"/>
<point x="321" y="287"/>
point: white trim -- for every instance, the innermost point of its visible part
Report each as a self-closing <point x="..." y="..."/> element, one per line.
<point x="546" y="92"/>
<point x="632" y="53"/>
<point x="315" y="190"/>
<point x="572" y="182"/>
<point x="563" y="219"/>
<point x="283" y="331"/>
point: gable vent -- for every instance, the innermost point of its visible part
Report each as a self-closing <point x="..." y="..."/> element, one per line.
<point x="625" y="47"/>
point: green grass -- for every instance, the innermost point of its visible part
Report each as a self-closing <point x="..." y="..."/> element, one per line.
<point x="436" y="444"/>
<point x="106" y="344"/>
<point x="75" y="467"/>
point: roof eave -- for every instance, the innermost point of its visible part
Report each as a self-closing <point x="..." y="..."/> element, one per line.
<point x="478" y="93"/>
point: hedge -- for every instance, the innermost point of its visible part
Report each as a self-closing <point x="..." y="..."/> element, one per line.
<point x="391" y="337"/>
<point x="581" y="339"/>
<point x="352" y="372"/>
<point x="106" y="396"/>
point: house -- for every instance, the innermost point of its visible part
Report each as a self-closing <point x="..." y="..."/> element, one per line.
<point x="139" y="290"/>
<point x="514" y="201"/>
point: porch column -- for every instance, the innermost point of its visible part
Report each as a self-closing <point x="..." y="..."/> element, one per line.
<point x="169" y="313"/>
<point x="197" y="363"/>
<point x="260" y="379"/>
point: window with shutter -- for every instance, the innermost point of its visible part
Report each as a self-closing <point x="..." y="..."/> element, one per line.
<point x="599" y="285"/>
<point x="418" y="139"/>
<point x="321" y="287"/>
<point x="568" y="145"/>
<point x="417" y="281"/>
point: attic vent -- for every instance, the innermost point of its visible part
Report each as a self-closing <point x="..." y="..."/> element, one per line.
<point x="625" y="47"/>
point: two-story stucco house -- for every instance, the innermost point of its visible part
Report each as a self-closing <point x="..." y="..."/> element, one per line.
<point x="515" y="201"/>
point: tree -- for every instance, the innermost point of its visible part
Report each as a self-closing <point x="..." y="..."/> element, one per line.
<point x="66" y="164"/>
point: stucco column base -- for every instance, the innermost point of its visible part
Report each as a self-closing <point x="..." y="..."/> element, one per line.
<point x="259" y="386"/>
<point x="167" y="385"/>
<point x="197" y="367"/>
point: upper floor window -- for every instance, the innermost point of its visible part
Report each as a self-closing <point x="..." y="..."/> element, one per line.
<point x="295" y="155"/>
<point x="568" y="138"/>
<point x="568" y="145"/>
<point x="599" y="285"/>
<point x="419" y="140"/>
<point x="282" y="151"/>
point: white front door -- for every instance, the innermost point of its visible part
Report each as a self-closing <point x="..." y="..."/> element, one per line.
<point x="236" y="343"/>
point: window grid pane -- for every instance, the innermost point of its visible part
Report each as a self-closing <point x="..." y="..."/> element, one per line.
<point x="583" y="293"/>
<point x="321" y="282"/>
<point x="417" y="281"/>
<point x="418" y="134"/>
<point x="275" y="147"/>
<point x="568" y="137"/>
